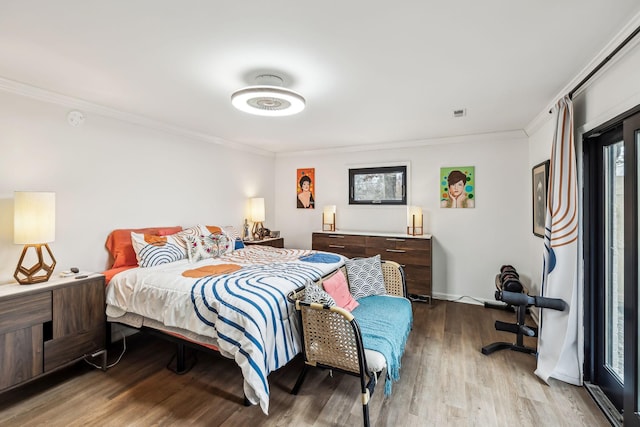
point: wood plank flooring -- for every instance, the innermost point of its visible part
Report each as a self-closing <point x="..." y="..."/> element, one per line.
<point x="445" y="381"/>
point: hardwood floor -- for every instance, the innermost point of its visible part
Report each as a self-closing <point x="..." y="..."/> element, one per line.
<point x="445" y="381"/>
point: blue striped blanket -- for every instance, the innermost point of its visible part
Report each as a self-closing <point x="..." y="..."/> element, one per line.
<point x="385" y="322"/>
<point x="254" y="322"/>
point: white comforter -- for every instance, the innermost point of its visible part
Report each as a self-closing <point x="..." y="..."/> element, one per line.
<point x="246" y="311"/>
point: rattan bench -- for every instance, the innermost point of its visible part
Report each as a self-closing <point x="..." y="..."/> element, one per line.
<point x="332" y="338"/>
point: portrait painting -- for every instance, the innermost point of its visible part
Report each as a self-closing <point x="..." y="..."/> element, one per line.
<point x="305" y="188"/>
<point x="539" y="180"/>
<point x="457" y="187"/>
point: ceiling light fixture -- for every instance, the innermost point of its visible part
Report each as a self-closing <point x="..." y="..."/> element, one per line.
<point x="268" y="98"/>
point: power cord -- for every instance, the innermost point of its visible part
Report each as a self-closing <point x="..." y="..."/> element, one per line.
<point x="124" y="349"/>
<point x="466" y="296"/>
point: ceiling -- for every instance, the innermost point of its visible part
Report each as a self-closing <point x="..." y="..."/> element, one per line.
<point x="371" y="73"/>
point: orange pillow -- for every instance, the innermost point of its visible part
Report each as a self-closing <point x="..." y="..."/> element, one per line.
<point x="338" y="288"/>
<point x="121" y="249"/>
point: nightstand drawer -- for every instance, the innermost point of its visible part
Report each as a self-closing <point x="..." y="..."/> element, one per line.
<point x="59" y="351"/>
<point x="24" y="311"/>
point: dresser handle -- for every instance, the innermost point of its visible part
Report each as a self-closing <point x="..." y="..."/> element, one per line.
<point x="337" y="246"/>
<point x="335" y="236"/>
<point x="394" y="239"/>
<point x="398" y="251"/>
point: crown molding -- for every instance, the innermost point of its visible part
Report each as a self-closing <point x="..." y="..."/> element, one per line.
<point x="395" y="145"/>
<point x="625" y="32"/>
<point x="44" y="95"/>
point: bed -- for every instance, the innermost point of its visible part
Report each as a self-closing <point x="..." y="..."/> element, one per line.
<point x="235" y="302"/>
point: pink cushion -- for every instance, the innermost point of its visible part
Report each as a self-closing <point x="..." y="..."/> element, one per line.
<point x="338" y="288"/>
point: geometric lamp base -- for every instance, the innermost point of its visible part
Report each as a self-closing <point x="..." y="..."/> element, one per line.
<point x="28" y="276"/>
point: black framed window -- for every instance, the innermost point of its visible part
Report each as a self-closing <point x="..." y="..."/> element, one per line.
<point x="378" y="186"/>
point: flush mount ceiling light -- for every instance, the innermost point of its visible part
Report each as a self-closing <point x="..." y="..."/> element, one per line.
<point x="268" y="98"/>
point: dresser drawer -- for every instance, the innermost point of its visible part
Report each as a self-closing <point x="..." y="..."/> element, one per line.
<point x="418" y="279"/>
<point x="401" y="256"/>
<point x="399" y="243"/>
<point x="24" y="311"/>
<point x="347" y="245"/>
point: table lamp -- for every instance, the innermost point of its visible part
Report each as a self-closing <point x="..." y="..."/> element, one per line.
<point x="329" y="218"/>
<point x="414" y="220"/>
<point x="257" y="217"/>
<point x="34" y="226"/>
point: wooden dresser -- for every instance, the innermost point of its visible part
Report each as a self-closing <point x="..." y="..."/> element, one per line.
<point x="49" y="325"/>
<point x="412" y="252"/>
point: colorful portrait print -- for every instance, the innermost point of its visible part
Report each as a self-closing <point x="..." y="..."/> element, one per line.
<point x="305" y="188"/>
<point x="457" y="187"/>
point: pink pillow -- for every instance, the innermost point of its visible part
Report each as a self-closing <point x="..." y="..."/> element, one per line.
<point x="337" y="287"/>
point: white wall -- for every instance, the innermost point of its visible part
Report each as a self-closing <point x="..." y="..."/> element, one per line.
<point x="111" y="174"/>
<point x="469" y="245"/>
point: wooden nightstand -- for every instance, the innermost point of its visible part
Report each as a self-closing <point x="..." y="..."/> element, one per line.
<point x="276" y="242"/>
<point x="46" y="326"/>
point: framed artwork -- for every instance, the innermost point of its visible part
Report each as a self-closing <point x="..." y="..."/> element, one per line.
<point x="378" y="186"/>
<point x="305" y="188"/>
<point x="458" y="187"/>
<point x="540" y="181"/>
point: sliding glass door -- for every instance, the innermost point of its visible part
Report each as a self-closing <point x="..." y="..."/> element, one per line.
<point x="606" y="266"/>
<point x="632" y="210"/>
<point x="611" y="195"/>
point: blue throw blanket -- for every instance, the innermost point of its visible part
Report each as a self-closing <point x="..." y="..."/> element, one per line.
<point x="385" y="323"/>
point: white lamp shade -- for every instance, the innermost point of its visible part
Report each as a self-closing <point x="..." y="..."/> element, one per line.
<point x="257" y="209"/>
<point x="414" y="213"/>
<point x="34" y="219"/>
<point x="328" y="212"/>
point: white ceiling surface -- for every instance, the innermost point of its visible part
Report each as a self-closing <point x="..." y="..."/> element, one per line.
<point x="372" y="72"/>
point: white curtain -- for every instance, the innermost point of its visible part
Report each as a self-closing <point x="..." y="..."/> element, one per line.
<point x="560" y="341"/>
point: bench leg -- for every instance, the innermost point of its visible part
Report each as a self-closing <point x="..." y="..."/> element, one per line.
<point x="296" y="388"/>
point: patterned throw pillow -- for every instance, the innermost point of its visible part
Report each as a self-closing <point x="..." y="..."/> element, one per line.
<point x="154" y="250"/>
<point x="231" y="231"/>
<point x="195" y="231"/>
<point x="365" y="277"/>
<point x="206" y="246"/>
<point x="314" y="293"/>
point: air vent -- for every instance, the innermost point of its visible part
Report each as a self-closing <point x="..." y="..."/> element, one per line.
<point x="461" y="112"/>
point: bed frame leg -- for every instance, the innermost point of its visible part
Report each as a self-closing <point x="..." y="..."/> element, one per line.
<point x="181" y="366"/>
